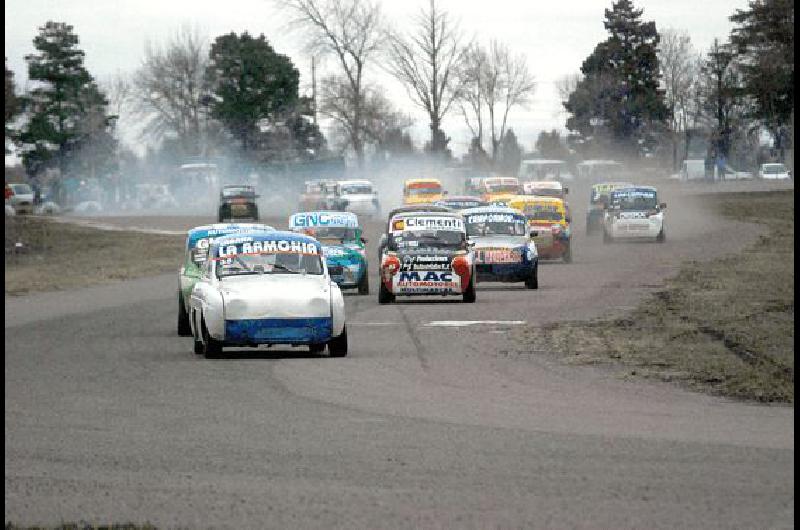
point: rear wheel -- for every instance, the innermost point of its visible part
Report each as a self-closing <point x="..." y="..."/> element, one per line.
<point x="212" y="348"/>
<point x="363" y="284"/>
<point x="384" y="296"/>
<point x="661" y="237"/>
<point x="184" y="328"/>
<point x="469" y="294"/>
<point x="337" y="346"/>
<point x="533" y="281"/>
<point x="567" y="256"/>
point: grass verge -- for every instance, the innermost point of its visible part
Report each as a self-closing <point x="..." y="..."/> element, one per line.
<point x="724" y="326"/>
<point x="56" y="256"/>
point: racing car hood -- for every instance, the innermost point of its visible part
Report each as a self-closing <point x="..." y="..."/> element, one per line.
<point x="276" y="296"/>
<point x="426" y="259"/>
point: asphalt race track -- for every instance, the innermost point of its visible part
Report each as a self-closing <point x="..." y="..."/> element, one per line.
<point x="433" y="420"/>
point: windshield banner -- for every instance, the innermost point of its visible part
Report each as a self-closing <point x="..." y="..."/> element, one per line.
<point x="324" y="219"/>
<point x="428" y="223"/>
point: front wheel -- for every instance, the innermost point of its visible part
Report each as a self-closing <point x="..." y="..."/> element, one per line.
<point x="384" y="296"/>
<point x="469" y="294"/>
<point x="184" y="328"/>
<point x="661" y="237"/>
<point x="316" y="348"/>
<point x="567" y="256"/>
<point x="337" y="346"/>
<point x="212" y="348"/>
<point x="363" y="284"/>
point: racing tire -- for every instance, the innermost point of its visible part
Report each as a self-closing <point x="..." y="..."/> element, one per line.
<point x="198" y="342"/>
<point x="337" y="346"/>
<point x="469" y="294"/>
<point x="533" y="281"/>
<point x="212" y="348"/>
<point x="661" y="237"/>
<point x="316" y="348"/>
<point x="363" y="284"/>
<point x="184" y="328"/>
<point x="567" y="257"/>
<point x="384" y="296"/>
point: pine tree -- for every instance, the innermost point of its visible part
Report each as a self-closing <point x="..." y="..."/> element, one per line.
<point x="252" y="83"/>
<point x="764" y="41"/>
<point x="11" y="100"/>
<point x="620" y="89"/>
<point x="64" y="97"/>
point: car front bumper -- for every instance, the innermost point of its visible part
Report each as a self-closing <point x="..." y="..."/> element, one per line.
<point x="251" y="332"/>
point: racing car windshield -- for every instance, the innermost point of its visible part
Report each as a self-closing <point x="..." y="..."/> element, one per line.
<point x="422" y="239"/>
<point x="357" y="189"/>
<point x="634" y="200"/>
<point x="332" y="232"/>
<point x="495" y="224"/>
<point x="543" y="212"/>
<point x="546" y="192"/>
<point x="239" y="260"/>
<point x="239" y="191"/>
<point x="428" y="189"/>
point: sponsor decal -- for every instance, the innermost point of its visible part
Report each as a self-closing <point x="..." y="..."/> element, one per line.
<point x="498" y="255"/>
<point x="411" y="263"/>
<point x="333" y="252"/>
<point x="428" y="223"/>
<point x="266" y="247"/>
<point x="426" y="281"/>
<point x="492" y="218"/>
<point x="327" y="219"/>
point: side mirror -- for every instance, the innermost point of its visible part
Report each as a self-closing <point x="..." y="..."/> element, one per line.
<point x="444" y="193"/>
<point x="534" y="233"/>
<point x="566" y="190"/>
<point x="568" y="219"/>
<point x="470" y="243"/>
<point x="364" y="240"/>
<point x="663" y="206"/>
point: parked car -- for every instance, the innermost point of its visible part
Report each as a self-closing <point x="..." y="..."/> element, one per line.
<point x="20" y="198"/>
<point x="267" y="288"/>
<point x="634" y="213"/>
<point x="774" y="171"/>
<point x="237" y="202"/>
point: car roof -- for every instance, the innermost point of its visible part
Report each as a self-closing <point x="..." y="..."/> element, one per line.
<point x="354" y="181"/>
<point x="638" y="188"/>
<point x="446" y="213"/>
<point x="418" y="208"/>
<point x="622" y="184"/>
<point x="548" y="184"/>
<point x="535" y="198"/>
<point x="221" y="229"/>
<point x="422" y="181"/>
<point x="265" y="235"/>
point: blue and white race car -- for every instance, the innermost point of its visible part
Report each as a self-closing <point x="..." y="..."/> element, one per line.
<point x="342" y="244"/>
<point x="266" y="288"/>
<point x="504" y="248"/>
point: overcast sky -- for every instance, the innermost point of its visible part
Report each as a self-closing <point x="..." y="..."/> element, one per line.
<point x="555" y="35"/>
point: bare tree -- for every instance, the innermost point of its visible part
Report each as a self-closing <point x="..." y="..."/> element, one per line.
<point x="679" y="74"/>
<point x="426" y="62"/>
<point x="351" y="31"/>
<point x="170" y="88"/>
<point x="470" y="98"/>
<point x="378" y="115"/>
<point x="566" y="85"/>
<point x="119" y="91"/>
<point x="508" y="84"/>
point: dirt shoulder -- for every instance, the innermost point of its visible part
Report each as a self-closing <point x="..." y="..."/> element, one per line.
<point x="724" y="326"/>
<point x="56" y="256"/>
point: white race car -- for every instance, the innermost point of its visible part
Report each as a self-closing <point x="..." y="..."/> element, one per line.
<point x="359" y="197"/>
<point x="267" y="288"/>
<point x="634" y="213"/>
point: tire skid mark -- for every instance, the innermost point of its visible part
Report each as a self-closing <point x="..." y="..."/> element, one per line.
<point x="418" y="346"/>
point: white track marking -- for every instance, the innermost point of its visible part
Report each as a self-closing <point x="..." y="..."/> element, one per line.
<point x="465" y="323"/>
